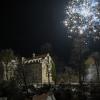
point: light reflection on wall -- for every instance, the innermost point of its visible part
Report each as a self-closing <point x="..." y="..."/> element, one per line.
<point x="91" y="74"/>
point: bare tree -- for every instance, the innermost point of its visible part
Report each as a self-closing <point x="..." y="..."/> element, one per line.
<point x="5" y="57"/>
<point x="46" y="48"/>
<point x="79" y="54"/>
<point x="96" y="57"/>
<point x="24" y="75"/>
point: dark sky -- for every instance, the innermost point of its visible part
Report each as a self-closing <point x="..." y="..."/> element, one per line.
<point x="28" y="24"/>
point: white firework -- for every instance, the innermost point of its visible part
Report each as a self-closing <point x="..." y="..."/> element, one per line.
<point x="83" y="17"/>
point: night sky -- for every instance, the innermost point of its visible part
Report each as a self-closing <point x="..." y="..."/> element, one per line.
<point x="28" y="24"/>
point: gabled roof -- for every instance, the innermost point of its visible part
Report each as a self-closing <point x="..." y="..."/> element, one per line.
<point x="41" y="56"/>
<point x="36" y="59"/>
<point x="90" y="60"/>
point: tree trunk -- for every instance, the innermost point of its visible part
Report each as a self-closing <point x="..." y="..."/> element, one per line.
<point x="6" y="72"/>
<point x="97" y="69"/>
<point x="5" y="65"/>
<point x="24" y="80"/>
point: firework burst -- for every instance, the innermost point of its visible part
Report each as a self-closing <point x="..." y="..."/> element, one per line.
<point x="83" y="17"/>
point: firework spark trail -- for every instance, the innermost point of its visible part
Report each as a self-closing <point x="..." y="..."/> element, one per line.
<point x="83" y="16"/>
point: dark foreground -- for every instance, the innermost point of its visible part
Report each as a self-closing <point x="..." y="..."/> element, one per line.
<point x="60" y="92"/>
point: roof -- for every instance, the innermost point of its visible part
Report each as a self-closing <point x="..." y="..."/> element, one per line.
<point x="41" y="56"/>
<point x="36" y="59"/>
<point x="90" y="60"/>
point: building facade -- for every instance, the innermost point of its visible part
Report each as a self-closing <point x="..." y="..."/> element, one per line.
<point x="91" y="70"/>
<point x="40" y="69"/>
<point x="34" y="70"/>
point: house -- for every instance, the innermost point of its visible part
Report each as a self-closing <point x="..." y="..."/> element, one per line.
<point x="40" y="69"/>
<point x="37" y="70"/>
<point x="91" y="70"/>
